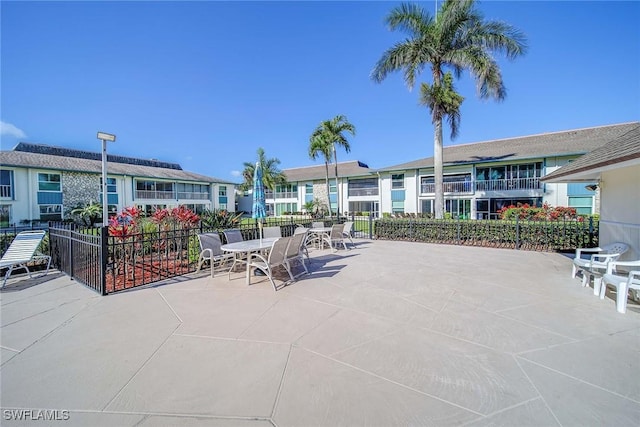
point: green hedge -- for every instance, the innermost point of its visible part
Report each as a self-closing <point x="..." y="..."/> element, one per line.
<point x="527" y="235"/>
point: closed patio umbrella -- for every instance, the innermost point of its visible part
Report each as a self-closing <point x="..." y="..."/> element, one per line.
<point x="259" y="208"/>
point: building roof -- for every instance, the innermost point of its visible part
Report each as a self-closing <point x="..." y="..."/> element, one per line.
<point x="64" y="159"/>
<point x="311" y="173"/>
<point x="565" y="143"/>
<point x="621" y="151"/>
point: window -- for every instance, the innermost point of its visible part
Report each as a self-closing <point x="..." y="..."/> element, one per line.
<point x="332" y="187"/>
<point x="363" y="187"/>
<point x="5" y="215"/>
<point x="308" y="188"/>
<point x="6" y="184"/>
<point x="426" y="206"/>
<point x="458" y="208"/>
<point x="397" y="181"/>
<point x="583" y="205"/>
<point x="111" y="185"/>
<point x="49" y="182"/>
<point x="282" y="208"/>
<point x="222" y="190"/>
<point x="50" y="212"/>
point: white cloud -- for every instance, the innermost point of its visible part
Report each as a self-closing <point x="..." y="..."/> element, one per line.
<point x="7" y="129"/>
<point x="236" y="173"/>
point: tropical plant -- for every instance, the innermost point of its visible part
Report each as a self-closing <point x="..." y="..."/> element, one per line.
<point x="459" y="38"/>
<point x="324" y="139"/>
<point x="90" y="213"/>
<point x="219" y="219"/>
<point x="271" y="174"/>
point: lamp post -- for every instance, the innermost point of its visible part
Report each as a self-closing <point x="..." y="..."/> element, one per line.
<point x="105" y="210"/>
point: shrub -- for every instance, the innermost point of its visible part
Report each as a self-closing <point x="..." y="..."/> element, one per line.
<point x="532" y="213"/>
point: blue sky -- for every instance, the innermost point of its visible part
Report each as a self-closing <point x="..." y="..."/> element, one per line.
<point x="205" y="84"/>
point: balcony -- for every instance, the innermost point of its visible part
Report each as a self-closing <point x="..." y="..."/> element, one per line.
<point x="192" y="195"/>
<point x="286" y="195"/>
<point x="448" y="187"/>
<point x="155" y="195"/>
<point x="353" y="192"/>
<point x="5" y="191"/>
<point x="509" y="184"/>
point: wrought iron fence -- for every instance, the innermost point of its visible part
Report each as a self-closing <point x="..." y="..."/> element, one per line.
<point x="525" y="235"/>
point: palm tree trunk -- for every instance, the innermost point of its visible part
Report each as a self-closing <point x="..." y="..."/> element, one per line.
<point x="326" y="166"/>
<point x="437" y="169"/>
<point x="335" y="161"/>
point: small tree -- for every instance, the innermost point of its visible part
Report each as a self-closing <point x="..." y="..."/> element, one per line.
<point x="89" y="214"/>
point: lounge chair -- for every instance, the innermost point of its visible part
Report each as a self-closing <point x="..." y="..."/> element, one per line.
<point x="622" y="283"/>
<point x="24" y="249"/>
<point x="597" y="262"/>
<point x="210" y="250"/>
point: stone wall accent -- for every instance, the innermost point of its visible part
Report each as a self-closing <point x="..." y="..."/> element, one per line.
<point x="320" y="191"/>
<point x="79" y="189"/>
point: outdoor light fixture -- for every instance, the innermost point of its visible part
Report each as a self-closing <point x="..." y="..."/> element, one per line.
<point x="105" y="211"/>
<point x="592" y="187"/>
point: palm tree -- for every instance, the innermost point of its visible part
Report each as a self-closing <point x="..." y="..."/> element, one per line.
<point x="271" y="174"/>
<point x="89" y="213"/>
<point x="459" y="38"/>
<point x="320" y="145"/>
<point x="331" y="134"/>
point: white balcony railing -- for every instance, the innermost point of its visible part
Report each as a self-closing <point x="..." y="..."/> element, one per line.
<point x="286" y="195"/>
<point x="192" y="195"/>
<point x="509" y="184"/>
<point x="152" y="194"/>
<point x="5" y="191"/>
<point x="448" y="187"/>
<point x="363" y="192"/>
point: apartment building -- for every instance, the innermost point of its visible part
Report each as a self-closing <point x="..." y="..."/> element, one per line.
<point x="44" y="183"/>
<point x="479" y="178"/>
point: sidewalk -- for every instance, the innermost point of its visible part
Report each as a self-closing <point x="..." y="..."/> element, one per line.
<point x="389" y="333"/>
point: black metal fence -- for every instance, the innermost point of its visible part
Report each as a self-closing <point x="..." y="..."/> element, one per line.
<point x="110" y="264"/>
<point x="525" y="235"/>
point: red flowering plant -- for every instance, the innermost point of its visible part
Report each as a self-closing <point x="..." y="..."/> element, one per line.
<point x="172" y="223"/>
<point x="124" y="228"/>
<point x="546" y="212"/>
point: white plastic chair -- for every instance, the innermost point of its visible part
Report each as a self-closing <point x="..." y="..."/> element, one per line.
<point x="597" y="262"/>
<point x="277" y="257"/>
<point x="22" y="250"/>
<point x="622" y="283"/>
<point x="210" y="250"/>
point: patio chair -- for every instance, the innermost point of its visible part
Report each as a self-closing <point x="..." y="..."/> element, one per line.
<point x="347" y="231"/>
<point x="234" y="236"/>
<point x="271" y="232"/>
<point x="277" y="257"/>
<point x="597" y="262"/>
<point x="296" y="251"/>
<point x="305" y="241"/>
<point x="623" y="284"/>
<point x="317" y="224"/>
<point x="335" y="237"/>
<point x="210" y="250"/>
<point x="22" y="250"/>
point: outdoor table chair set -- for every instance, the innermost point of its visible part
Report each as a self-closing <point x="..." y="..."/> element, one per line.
<point x="607" y="271"/>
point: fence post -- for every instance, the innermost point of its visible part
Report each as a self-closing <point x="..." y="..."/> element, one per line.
<point x="590" y="231"/>
<point x="518" y="232"/>
<point x="71" y="257"/>
<point x="104" y="233"/>
<point x="458" y="230"/>
<point x="370" y="225"/>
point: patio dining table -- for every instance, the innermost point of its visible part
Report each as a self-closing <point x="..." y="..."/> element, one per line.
<point x="248" y="247"/>
<point x="318" y="234"/>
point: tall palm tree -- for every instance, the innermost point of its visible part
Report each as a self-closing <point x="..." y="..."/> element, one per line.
<point x="320" y="145"/>
<point x="457" y="38"/>
<point x="271" y="174"/>
<point x="332" y="132"/>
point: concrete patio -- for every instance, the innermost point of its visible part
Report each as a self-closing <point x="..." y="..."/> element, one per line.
<point x="389" y="334"/>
